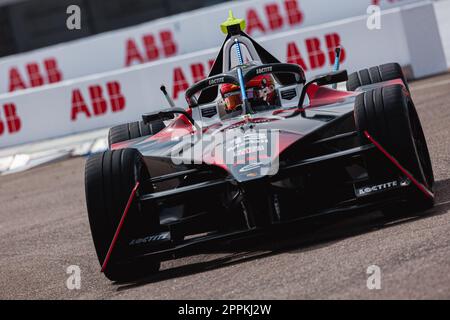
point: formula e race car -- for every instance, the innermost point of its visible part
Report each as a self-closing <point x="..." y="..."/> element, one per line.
<point x="258" y="147"/>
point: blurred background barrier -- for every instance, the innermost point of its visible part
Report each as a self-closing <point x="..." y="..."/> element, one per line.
<point x="442" y="9"/>
<point x="32" y="24"/>
<point x="103" y="100"/>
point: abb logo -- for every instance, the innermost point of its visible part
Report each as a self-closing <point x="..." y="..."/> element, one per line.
<point x="151" y="49"/>
<point x="99" y="104"/>
<point x="35" y="75"/>
<point x="293" y="17"/>
<point x="11" y="121"/>
<point x="317" y="56"/>
<point x="198" y="72"/>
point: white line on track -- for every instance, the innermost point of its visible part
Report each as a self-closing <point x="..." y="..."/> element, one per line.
<point x="441" y="204"/>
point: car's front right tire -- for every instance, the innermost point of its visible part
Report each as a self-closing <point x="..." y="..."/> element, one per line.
<point x="389" y="116"/>
<point x="133" y="130"/>
<point x="373" y="75"/>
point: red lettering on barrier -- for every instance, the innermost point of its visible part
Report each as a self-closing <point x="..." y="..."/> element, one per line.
<point x="152" y="50"/>
<point x="295" y="16"/>
<point x="378" y="2"/>
<point x="98" y="102"/>
<point x="169" y="45"/>
<point x="294" y="55"/>
<point x="116" y="98"/>
<point x="51" y="75"/>
<point x="253" y="22"/>
<point x="34" y="75"/>
<point x="78" y="105"/>
<point x="12" y="120"/>
<point x="53" y="72"/>
<point x="179" y="82"/>
<point x="150" y="47"/>
<point x="133" y="53"/>
<point x="333" y="41"/>
<point x="198" y="71"/>
<point x="273" y="14"/>
<point x="316" y="55"/>
<point x="15" y="80"/>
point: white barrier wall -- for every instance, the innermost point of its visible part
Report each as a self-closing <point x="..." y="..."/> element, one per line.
<point x="115" y="97"/>
<point x="184" y="33"/>
<point x="442" y="10"/>
<point x="427" y="55"/>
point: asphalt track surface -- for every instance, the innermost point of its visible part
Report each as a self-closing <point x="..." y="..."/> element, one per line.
<point x="44" y="229"/>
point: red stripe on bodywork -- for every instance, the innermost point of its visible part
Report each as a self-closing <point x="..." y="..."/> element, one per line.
<point x="419" y="185"/>
<point x="119" y="227"/>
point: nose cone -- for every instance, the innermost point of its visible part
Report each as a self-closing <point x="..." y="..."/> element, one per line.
<point x="249" y="155"/>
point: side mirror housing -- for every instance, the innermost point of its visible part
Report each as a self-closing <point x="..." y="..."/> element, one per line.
<point x="331" y="78"/>
<point x="323" y="80"/>
<point x="167" y="114"/>
<point x="162" y="115"/>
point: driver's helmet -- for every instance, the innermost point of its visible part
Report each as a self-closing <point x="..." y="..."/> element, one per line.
<point x="260" y="91"/>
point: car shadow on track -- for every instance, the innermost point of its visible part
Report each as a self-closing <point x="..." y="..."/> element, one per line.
<point x="320" y="233"/>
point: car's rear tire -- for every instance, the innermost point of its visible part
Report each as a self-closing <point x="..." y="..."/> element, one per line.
<point x="389" y="115"/>
<point x="384" y="72"/>
<point x="133" y="130"/>
<point x="109" y="179"/>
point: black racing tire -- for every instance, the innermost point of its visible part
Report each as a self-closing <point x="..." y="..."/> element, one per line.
<point x="109" y="179"/>
<point x="133" y="130"/>
<point x="389" y="115"/>
<point x="384" y="72"/>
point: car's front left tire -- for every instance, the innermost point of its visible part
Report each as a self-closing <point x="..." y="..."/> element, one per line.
<point x="109" y="180"/>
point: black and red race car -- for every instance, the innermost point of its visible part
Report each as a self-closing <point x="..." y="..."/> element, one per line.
<point x="258" y="147"/>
